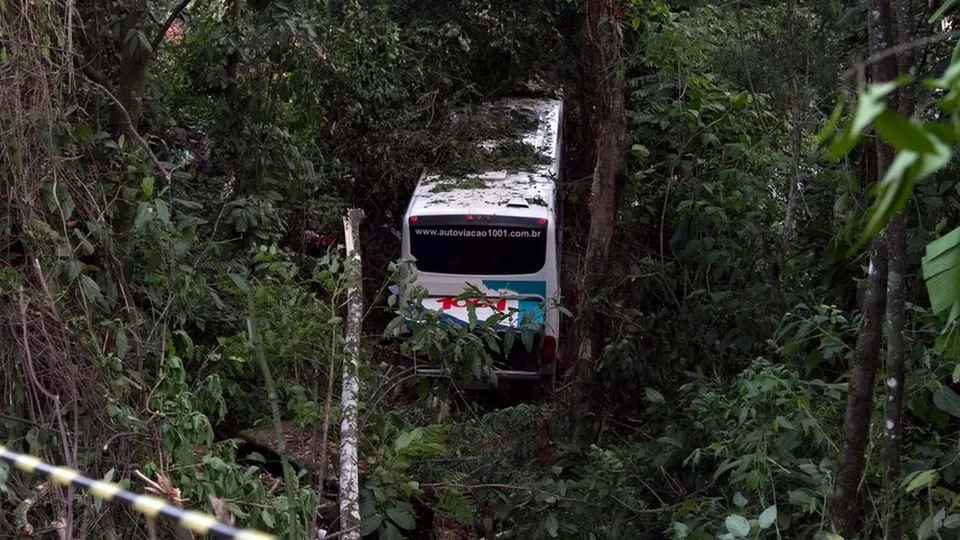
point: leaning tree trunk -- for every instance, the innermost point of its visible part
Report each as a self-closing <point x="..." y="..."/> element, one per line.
<point x="349" y="466"/>
<point x="609" y="126"/>
<point x="845" y="505"/>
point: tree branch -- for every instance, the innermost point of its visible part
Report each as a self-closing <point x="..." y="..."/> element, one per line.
<point x="128" y="125"/>
<point x="167" y="23"/>
<point x="860" y="67"/>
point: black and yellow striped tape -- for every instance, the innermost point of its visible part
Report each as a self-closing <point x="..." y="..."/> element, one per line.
<point x="150" y="506"/>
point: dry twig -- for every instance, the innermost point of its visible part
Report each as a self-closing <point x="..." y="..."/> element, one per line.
<point x="128" y="127"/>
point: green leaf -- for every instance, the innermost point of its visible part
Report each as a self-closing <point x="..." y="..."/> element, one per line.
<point x="952" y="521"/>
<point x="869" y="106"/>
<point x="946" y="81"/>
<point x="767" y="517"/>
<point x="739" y="500"/>
<point x="654" y="396"/>
<point x="239" y="282"/>
<point x="943" y="244"/>
<point x="947" y="401"/>
<point x="147" y="185"/>
<point x="188" y="204"/>
<point x="393" y="533"/>
<point x="947" y="6"/>
<point x="89" y="287"/>
<point x="526" y="336"/>
<point x="83" y="132"/>
<point x="371" y="524"/>
<point x="268" y="519"/>
<point x="738" y="526"/>
<point x="920" y="479"/>
<point x="941" y="271"/>
<point x="508" y="339"/>
<point x="122" y="343"/>
<point x="402" y="518"/>
<point x="550" y="524"/>
<point x="491" y="341"/>
<point x="946" y="132"/>
<point x="456" y="502"/>
<point x="931" y="525"/>
<point x="406" y="438"/>
<point x="472" y="316"/>
<point x="163" y="211"/>
<point x="834" y="121"/>
<point x="681" y="530"/>
<point x="144" y="216"/>
<point x="895" y="188"/>
<point x="904" y="134"/>
<point x="4" y="474"/>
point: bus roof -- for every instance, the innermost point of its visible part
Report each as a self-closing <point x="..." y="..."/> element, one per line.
<point x="527" y="193"/>
<point x="545" y="116"/>
<point x="496" y="193"/>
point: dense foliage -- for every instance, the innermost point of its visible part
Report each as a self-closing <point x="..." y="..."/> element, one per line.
<point x="141" y="246"/>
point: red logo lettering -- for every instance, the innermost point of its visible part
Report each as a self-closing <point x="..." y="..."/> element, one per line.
<point x="451" y="302"/>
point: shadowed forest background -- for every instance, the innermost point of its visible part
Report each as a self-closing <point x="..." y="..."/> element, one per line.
<point x="770" y="323"/>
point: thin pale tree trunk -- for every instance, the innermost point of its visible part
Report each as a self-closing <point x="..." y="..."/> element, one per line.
<point x="846" y="511"/>
<point x="795" y="140"/>
<point x="609" y="176"/>
<point x="349" y="428"/>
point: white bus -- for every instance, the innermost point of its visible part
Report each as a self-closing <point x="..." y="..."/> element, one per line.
<point x="498" y="231"/>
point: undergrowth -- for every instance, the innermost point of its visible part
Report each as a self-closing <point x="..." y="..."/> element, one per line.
<point x="130" y="251"/>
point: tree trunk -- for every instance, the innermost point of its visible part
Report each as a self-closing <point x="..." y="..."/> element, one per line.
<point x="845" y="505"/>
<point x="856" y="422"/>
<point x="795" y="140"/>
<point x="896" y="310"/>
<point x="233" y="61"/>
<point x="893" y="428"/>
<point x="349" y="470"/>
<point x="609" y="126"/>
<point x="136" y="53"/>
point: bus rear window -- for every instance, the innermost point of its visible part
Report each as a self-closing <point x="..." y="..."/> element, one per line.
<point x="475" y="249"/>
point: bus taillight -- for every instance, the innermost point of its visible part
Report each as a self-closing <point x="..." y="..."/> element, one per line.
<point x="548" y="350"/>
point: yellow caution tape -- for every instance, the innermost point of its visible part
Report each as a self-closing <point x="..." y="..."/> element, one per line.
<point x="153" y="507"/>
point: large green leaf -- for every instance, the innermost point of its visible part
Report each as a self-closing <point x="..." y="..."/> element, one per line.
<point x="738" y="526"/>
<point x="869" y="106"/>
<point x="941" y="271"/>
<point x="834" y="121"/>
<point x="920" y="479"/>
<point x="768" y="516"/>
<point x="947" y="401"/>
<point x="402" y="517"/>
<point x="905" y="134"/>
<point x="897" y="184"/>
